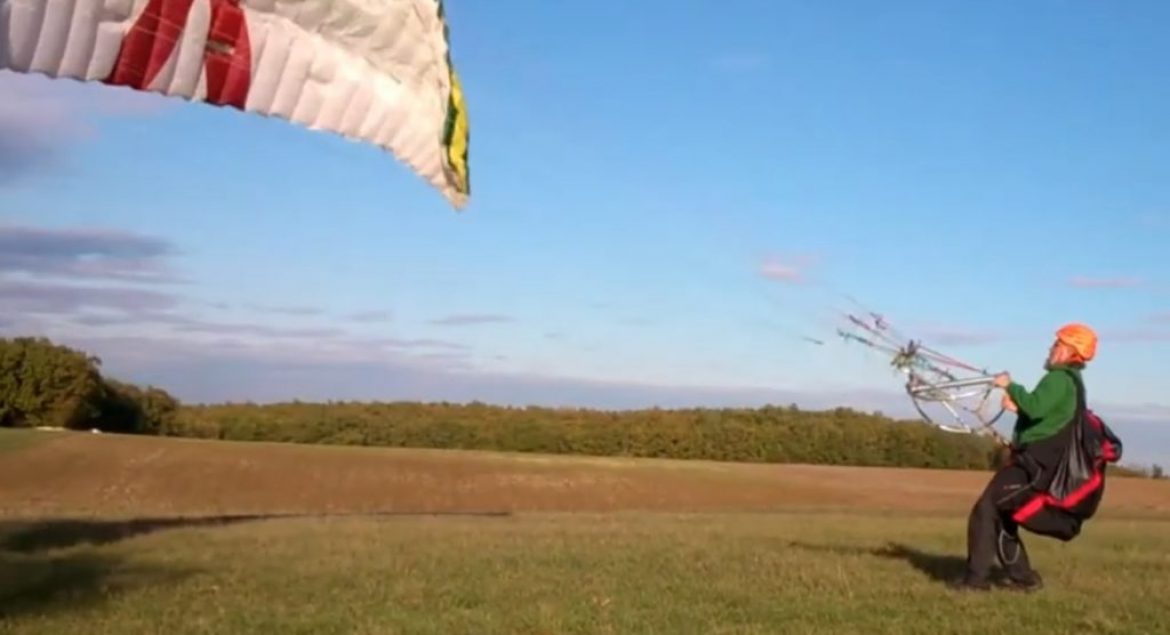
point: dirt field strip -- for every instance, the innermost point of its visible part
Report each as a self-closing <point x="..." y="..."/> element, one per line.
<point x="111" y="475"/>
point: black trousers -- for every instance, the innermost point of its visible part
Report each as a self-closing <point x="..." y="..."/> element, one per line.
<point x="992" y="535"/>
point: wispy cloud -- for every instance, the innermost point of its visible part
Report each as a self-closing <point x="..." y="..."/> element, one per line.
<point x="47" y="298"/>
<point x="1154" y="328"/>
<point x="285" y="310"/>
<point x="370" y="316"/>
<point x="1137" y="335"/>
<point x="472" y="319"/>
<point x="792" y="270"/>
<point x="23" y="151"/>
<point x="40" y="118"/>
<point x="85" y="253"/>
<point x="261" y="330"/>
<point x="1085" y="282"/>
<point x="179" y="343"/>
<point x="75" y="283"/>
<point x="178" y="324"/>
<point x="145" y="323"/>
<point x="1144" y="412"/>
<point x="419" y="342"/>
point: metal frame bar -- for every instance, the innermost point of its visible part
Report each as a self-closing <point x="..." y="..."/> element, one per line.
<point x="914" y="359"/>
<point x="947" y="385"/>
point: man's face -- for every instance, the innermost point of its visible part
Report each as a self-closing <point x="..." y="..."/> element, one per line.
<point x="1058" y="353"/>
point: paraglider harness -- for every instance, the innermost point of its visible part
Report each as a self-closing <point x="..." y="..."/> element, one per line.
<point x="1066" y="473"/>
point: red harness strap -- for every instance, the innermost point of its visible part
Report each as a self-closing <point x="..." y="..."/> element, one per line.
<point x="1040" y="501"/>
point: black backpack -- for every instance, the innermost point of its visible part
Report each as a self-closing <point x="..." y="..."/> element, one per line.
<point x="1069" y="490"/>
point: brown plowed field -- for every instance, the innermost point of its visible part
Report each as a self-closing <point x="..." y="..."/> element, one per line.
<point x="110" y="475"/>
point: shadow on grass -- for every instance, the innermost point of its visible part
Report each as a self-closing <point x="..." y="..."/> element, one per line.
<point x="43" y="585"/>
<point x="938" y="567"/>
<point x="42" y="535"/>
<point x="35" y="582"/>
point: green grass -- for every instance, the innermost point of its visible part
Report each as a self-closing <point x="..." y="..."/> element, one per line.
<point x="12" y="439"/>
<point x="567" y="573"/>
<point x="880" y="566"/>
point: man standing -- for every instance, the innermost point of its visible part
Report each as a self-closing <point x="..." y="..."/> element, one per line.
<point x="1037" y="447"/>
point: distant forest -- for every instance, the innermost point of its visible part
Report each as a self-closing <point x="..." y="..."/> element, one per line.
<point x="46" y="384"/>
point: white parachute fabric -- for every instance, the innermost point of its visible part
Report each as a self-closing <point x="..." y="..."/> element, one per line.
<point x="374" y="71"/>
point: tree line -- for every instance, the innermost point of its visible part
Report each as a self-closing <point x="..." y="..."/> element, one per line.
<point x="47" y="385"/>
<point x="770" y="434"/>
<point x="42" y="383"/>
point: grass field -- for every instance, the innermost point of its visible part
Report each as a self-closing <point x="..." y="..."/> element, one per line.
<point x="111" y="534"/>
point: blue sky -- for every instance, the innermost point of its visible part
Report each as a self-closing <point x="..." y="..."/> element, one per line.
<point x="978" y="172"/>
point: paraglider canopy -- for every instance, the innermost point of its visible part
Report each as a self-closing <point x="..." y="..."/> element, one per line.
<point x="373" y="71"/>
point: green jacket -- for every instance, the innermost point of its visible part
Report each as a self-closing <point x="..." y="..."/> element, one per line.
<point x="1047" y="408"/>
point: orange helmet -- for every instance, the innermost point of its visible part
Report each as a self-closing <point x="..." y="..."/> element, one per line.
<point x="1080" y="338"/>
